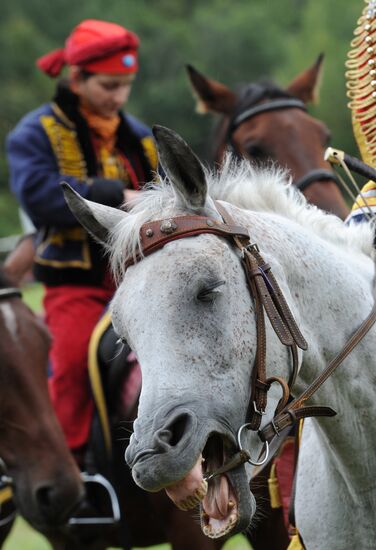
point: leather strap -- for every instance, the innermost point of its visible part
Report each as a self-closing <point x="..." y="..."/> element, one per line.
<point x="11" y="292"/>
<point x="154" y="235"/>
<point x="272" y="105"/>
<point x="267" y="296"/>
<point x="296" y="409"/>
<point x="315" y="175"/>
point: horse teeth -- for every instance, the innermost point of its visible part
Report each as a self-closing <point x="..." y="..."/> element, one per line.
<point x="231" y="504"/>
<point x="202" y="490"/>
<point x="207" y="529"/>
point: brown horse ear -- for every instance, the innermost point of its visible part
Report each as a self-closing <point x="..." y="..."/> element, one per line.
<point x="307" y="84"/>
<point x="211" y="95"/>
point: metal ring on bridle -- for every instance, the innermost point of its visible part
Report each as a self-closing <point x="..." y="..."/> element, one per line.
<point x="266" y="452"/>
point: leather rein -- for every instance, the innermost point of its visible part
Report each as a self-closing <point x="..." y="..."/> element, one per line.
<point x="305" y="181"/>
<point x="10" y="292"/>
<point x="267" y="297"/>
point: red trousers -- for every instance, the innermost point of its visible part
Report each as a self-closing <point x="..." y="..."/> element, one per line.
<point x="71" y="315"/>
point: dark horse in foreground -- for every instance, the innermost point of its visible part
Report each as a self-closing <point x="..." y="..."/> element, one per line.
<point x="45" y="480"/>
<point x="262" y="122"/>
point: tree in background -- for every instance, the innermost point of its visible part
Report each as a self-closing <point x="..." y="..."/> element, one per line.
<point x="235" y="42"/>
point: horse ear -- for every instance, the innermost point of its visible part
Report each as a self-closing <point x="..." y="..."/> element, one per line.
<point x="97" y="219"/>
<point x="307" y="84"/>
<point x="182" y="167"/>
<point x="211" y="95"/>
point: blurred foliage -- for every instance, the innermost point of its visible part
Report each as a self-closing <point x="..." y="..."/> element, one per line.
<point x="233" y="42"/>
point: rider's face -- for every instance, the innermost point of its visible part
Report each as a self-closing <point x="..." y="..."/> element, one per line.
<point x="102" y="93"/>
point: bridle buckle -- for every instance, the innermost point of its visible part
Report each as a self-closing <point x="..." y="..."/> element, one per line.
<point x="255" y="409"/>
<point x="249" y="248"/>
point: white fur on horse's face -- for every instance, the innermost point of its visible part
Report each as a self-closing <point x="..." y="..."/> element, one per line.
<point x="182" y="342"/>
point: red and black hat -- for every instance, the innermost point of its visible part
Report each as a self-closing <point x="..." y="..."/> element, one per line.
<point x="96" y="46"/>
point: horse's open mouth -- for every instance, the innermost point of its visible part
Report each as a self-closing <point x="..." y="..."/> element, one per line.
<point x="219" y="508"/>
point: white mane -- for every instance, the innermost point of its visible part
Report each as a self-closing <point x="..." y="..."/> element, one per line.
<point x="260" y="189"/>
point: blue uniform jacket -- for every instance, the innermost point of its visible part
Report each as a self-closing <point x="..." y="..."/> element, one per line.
<point x="50" y="145"/>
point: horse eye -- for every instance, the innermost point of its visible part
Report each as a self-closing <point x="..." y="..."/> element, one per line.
<point x="209" y="293"/>
<point x="254" y="151"/>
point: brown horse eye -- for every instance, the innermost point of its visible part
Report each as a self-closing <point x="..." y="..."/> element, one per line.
<point x="255" y="151"/>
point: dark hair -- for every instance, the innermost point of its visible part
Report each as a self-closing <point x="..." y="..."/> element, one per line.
<point x="85" y="75"/>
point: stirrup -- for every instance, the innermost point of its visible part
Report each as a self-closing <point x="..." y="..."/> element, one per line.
<point x="105" y="484"/>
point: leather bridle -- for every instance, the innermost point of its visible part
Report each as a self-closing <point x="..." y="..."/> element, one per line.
<point x="267" y="297"/>
<point x="318" y="174"/>
<point x="10" y="292"/>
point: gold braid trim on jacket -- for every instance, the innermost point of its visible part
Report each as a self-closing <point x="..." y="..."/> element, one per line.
<point x="66" y="148"/>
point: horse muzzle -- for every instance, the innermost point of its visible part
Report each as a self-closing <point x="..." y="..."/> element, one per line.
<point x="177" y="457"/>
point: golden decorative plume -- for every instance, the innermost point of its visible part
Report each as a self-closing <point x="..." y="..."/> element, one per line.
<point x="361" y="82"/>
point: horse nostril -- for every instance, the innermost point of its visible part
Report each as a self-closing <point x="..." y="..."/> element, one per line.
<point x="45" y="499"/>
<point x="165" y="436"/>
<point x="171" y="435"/>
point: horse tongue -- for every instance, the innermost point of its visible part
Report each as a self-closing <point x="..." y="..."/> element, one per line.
<point x="216" y="502"/>
<point x="190" y="490"/>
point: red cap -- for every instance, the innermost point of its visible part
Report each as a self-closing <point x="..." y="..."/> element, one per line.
<point x="96" y="46"/>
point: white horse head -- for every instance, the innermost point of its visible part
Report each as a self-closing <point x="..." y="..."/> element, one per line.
<point x="187" y="313"/>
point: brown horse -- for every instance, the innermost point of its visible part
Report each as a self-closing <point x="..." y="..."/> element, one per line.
<point x="263" y="121"/>
<point x="45" y="481"/>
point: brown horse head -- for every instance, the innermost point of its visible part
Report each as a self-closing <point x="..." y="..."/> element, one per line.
<point x="265" y="122"/>
<point x="46" y="481"/>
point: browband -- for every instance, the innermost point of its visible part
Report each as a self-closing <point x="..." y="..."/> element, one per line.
<point x="156" y="234"/>
<point x="264" y="107"/>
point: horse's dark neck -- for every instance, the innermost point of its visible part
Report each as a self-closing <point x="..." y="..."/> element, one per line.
<point x="4" y="281"/>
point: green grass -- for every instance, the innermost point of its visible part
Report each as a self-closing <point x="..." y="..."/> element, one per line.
<point x="32" y="295"/>
<point x="23" y="537"/>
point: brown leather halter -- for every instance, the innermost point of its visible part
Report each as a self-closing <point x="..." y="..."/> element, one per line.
<point x="254" y="108"/>
<point x="267" y="297"/>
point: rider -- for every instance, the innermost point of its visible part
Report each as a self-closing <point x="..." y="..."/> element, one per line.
<point x="83" y="138"/>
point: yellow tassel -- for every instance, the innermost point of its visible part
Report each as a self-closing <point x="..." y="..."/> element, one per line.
<point x="6" y="493"/>
<point x="275" y="497"/>
<point x="295" y="543"/>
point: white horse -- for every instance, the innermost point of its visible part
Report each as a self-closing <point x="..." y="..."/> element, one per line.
<point x="187" y="312"/>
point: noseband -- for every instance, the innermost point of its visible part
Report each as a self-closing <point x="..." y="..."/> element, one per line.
<point x="305" y="181"/>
